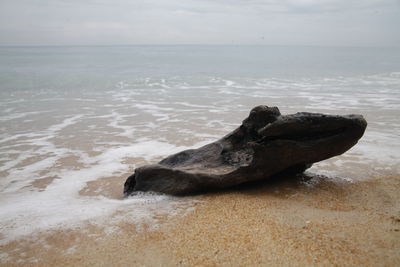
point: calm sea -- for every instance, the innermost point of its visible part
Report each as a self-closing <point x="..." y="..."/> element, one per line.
<point x="75" y="121"/>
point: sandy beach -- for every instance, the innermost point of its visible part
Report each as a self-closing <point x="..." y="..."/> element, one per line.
<point x="308" y="220"/>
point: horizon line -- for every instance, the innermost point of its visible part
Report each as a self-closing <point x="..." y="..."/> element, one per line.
<point x="230" y="44"/>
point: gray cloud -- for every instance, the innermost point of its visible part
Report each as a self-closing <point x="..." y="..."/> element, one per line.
<point x="287" y="22"/>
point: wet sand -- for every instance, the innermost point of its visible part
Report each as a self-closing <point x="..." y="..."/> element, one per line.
<point x="304" y="221"/>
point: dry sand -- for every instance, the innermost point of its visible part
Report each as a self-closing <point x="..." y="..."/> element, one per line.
<point x="290" y="222"/>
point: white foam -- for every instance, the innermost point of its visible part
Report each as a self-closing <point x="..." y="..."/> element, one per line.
<point x="116" y="120"/>
<point x="19" y="115"/>
<point x="155" y="110"/>
<point x="65" y="123"/>
<point x="229" y="83"/>
<point x="60" y="204"/>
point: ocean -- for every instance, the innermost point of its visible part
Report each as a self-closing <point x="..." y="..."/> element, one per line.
<point x="76" y="121"/>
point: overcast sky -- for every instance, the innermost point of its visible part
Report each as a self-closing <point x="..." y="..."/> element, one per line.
<point x="270" y="22"/>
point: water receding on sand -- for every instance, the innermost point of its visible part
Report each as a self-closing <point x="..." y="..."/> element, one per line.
<point x="65" y="155"/>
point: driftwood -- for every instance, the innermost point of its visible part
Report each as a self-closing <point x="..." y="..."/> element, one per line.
<point x="267" y="143"/>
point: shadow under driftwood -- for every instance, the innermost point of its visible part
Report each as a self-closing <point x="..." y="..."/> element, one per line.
<point x="283" y="182"/>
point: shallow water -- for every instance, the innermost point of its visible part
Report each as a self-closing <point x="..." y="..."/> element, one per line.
<point x="76" y="121"/>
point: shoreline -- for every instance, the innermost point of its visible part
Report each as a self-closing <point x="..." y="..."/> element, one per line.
<point x="310" y="220"/>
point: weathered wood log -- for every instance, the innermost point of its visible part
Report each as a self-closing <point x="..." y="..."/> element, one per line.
<point x="267" y="143"/>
